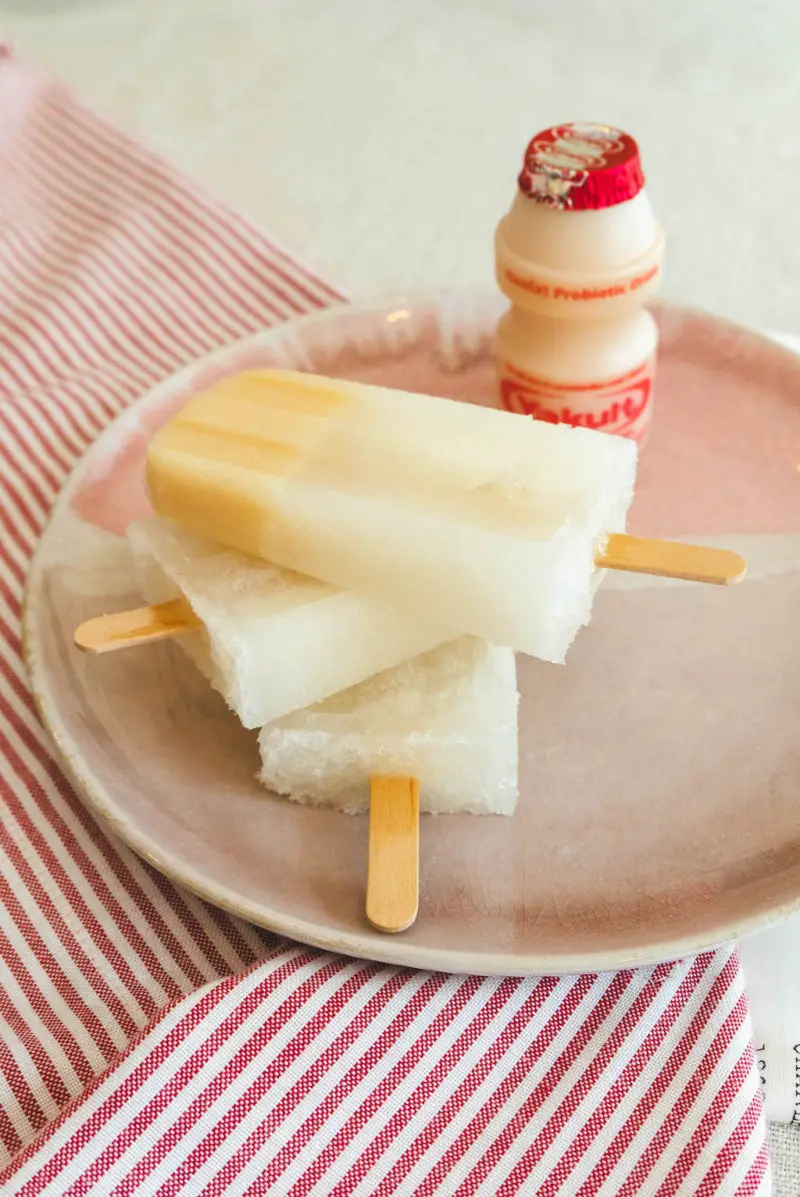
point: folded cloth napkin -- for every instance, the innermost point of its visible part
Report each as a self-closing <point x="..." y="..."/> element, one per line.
<point x="151" y="1044"/>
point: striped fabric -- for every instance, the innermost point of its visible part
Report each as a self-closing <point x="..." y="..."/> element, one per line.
<point x="150" y="1044"/>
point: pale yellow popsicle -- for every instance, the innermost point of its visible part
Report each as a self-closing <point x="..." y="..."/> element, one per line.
<point x="468" y="517"/>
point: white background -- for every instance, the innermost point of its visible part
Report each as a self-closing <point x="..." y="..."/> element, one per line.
<point x="383" y="137"/>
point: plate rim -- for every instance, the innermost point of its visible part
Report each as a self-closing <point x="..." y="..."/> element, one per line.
<point x="398" y="952"/>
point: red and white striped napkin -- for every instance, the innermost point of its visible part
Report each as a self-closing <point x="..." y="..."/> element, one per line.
<point x="150" y="1044"/>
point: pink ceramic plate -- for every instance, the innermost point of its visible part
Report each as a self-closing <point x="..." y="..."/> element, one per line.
<point x="660" y="770"/>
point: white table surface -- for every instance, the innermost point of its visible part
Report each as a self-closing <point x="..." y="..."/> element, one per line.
<point x="381" y="138"/>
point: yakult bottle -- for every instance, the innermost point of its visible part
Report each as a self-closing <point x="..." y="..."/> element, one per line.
<point x="578" y="255"/>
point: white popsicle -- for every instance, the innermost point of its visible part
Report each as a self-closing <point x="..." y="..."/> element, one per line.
<point x="272" y="640"/>
<point x="448" y="718"/>
<point x="463" y="516"/>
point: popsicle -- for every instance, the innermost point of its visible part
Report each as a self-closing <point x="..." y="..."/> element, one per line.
<point x="473" y="518"/>
<point x="447" y="717"/>
<point x="269" y="640"/>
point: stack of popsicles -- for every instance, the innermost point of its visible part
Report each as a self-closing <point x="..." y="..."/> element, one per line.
<point x="353" y="568"/>
<point x="342" y="686"/>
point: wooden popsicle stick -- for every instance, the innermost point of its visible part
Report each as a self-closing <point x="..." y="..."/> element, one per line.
<point x="669" y="559"/>
<point x="393" y="862"/>
<point x="122" y="629"/>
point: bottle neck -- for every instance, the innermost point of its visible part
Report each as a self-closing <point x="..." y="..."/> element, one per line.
<point x="583" y="293"/>
<point x="583" y="242"/>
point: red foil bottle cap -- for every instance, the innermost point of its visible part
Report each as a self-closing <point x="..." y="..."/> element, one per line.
<point x="581" y="166"/>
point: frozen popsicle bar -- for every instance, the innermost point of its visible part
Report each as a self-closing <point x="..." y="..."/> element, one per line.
<point x="464" y="516"/>
<point x="272" y="640"/>
<point x="448" y="717"/>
